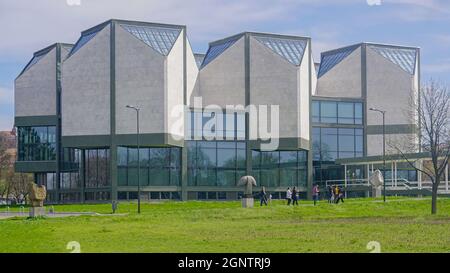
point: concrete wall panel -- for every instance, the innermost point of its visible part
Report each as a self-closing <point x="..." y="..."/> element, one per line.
<point x="86" y="88"/>
<point x="191" y="73"/>
<point x="222" y="81"/>
<point x="35" y="89"/>
<point x="275" y="81"/>
<point x="174" y="90"/>
<point x="140" y="80"/>
<point x="388" y="88"/>
<point x="343" y="80"/>
<point x="303" y="96"/>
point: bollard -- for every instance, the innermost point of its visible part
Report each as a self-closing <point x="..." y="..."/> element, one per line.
<point x="114" y="205"/>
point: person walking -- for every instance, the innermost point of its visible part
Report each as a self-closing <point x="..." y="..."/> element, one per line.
<point x="263" y="197"/>
<point x="289" y="196"/>
<point x="330" y="194"/>
<point x="315" y="193"/>
<point x="335" y="193"/>
<point x="339" y="195"/>
<point x="294" y="197"/>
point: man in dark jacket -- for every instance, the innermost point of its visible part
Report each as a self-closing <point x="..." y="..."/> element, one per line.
<point x="294" y="196"/>
<point x="263" y="196"/>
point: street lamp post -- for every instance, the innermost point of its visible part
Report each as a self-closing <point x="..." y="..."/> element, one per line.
<point x="384" y="150"/>
<point x="138" y="159"/>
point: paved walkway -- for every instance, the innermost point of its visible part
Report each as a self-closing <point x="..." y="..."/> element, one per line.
<point x="5" y="215"/>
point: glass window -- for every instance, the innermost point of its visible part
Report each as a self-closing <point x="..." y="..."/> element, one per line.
<point x="230" y="123"/>
<point x="240" y="125"/>
<point x="269" y="159"/>
<point x="122" y="155"/>
<point x="346" y="140"/>
<point x="345" y="113"/>
<point x="358" y="113"/>
<point x="206" y="177"/>
<point x="37" y="143"/>
<point x="337" y="112"/>
<point x="279" y="168"/>
<point x="288" y="157"/>
<point x="206" y="157"/>
<point x="332" y="143"/>
<point x="159" y="166"/>
<point x="328" y="139"/>
<point x="241" y="158"/>
<point x="316" y="111"/>
<point x="97" y="168"/>
<point x="226" y="158"/>
<point x="219" y="126"/>
<point x="215" y="163"/>
<point x="359" y="143"/>
<point x="288" y="177"/>
<point x="328" y="112"/>
<point x="159" y="177"/>
<point x="122" y="176"/>
<point x="269" y="177"/>
<point x="226" y="178"/>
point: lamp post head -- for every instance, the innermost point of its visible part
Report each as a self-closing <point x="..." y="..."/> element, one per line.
<point x="377" y="110"/>
<point x="132" y="107"/>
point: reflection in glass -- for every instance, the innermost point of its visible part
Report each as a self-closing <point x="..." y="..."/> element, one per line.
<point x="36" y="143"/>
<point x="159" y="166"/>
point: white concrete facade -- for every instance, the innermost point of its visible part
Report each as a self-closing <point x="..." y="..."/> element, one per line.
<point x="368" y="76"/>
<point x="85" y="99"/>
<point x="222" y="81"/>
<point x="120" y="65"/>
<point x="344" y="80"/>
<point x="35" y="88"/>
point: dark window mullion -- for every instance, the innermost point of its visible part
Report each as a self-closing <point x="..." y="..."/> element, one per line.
<point x="96" y="164"/>
<point x="127" y="167"/>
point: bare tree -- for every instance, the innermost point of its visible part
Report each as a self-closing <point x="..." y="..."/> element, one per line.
<point x="19" y="185"/>
<point x="5" y="157"/>
<point x="432" y="111"/>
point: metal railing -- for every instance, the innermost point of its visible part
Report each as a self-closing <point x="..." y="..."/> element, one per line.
<point x="391" y="184"/>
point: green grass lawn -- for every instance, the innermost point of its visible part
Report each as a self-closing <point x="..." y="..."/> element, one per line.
<point x="400" y="225"/>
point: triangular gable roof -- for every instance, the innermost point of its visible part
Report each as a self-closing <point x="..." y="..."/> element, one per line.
<point x="159" y="38"/>
<point x="37" y="56"/>
<point x="199" y="59"/>
<point x="217" y="48"/>
<point x="405" y="58"/>
<point x="86" y="36"/>
<point x="290" y="49"/>
<point x="332" y="58"/>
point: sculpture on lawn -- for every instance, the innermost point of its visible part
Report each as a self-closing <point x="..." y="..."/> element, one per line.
<point x="37" y="195"/>
<point x="248" y="182"/>
<point x="376" y="180"/>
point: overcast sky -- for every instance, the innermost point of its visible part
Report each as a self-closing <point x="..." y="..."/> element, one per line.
<point x="29" y="25"/>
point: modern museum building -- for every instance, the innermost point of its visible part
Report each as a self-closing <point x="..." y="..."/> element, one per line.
<point x="77" y="108"/>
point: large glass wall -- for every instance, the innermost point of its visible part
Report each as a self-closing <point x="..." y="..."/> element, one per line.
<point x="97" y="168"/>
<point x="70" y="175"/>
<point x="330" y="144"/>
<point x="36" y="143"/>
<point x="158" y="166"/>
<point x="214" y="126"/>
<point x="215" y="163"/>
<point x="337" y="112"/>
<point x="280" y="168"/>
<point x="337" y="133"/>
